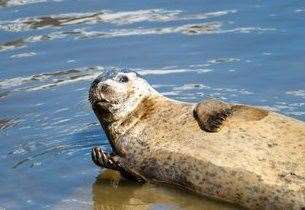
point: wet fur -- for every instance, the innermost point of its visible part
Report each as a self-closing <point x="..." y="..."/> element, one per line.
<point x="255" y="160"/>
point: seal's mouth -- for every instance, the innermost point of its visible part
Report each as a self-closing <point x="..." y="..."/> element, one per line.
<point x="102" y="111"/>
<point x="99" y="105"/>
<point x="100" y="102"/>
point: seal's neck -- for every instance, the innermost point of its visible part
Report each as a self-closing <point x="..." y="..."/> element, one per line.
<point x="143" y="109"/>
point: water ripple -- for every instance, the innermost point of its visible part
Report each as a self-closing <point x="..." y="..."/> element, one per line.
<point x="48" y="80"/>
<point x="7" y="123"/>
<point x="66" y="143"/>
<point x="298" y="93"/>
<point x="105" y="16"/>
<point x="83" y="33"/>
<point x="45" y="81"/>
<point x="23" y="55"/>
<point x="13" y="3"/>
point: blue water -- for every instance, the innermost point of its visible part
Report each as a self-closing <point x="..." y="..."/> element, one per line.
<point x="243" y="51"/>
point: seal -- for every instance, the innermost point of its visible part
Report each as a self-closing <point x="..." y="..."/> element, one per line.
<point x="236" y="153"/>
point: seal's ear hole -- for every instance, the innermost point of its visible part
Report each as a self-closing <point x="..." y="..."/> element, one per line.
<point x="123" y="79"/>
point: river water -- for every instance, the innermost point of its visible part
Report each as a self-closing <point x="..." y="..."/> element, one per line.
<point x="50" y="50"/>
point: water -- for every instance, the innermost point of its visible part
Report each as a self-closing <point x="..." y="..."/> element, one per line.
<point x="50" y="50"/>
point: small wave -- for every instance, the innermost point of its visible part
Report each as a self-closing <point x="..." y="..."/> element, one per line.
<point x="191" y="86"/>
<point x="145" y="72"/>
<point x="7" y="123"/>
<point x="68" y="149"/>
<point x="299" y="11"/>
<point x="297" y="113"/>
<point x="189" y="29"/>
<point x="11" y="3"/>
<point x="82" y="33"/>
<point x="204" y="28"/>
<point x="118" y="18"/>
<point x="10" y="45"/>
<point x="292" y="108"/>
<point x="22" y="42"/>
<point x="23" y="55"/>
<point x="67" y="143"/>
<point x="223" y="60"/>
<point x="4" y="93"/>
<point x="193" y="91"/>
<point x="298" y="93"/>
<point x="58" y="78"/>
<point x="47" y="80"/>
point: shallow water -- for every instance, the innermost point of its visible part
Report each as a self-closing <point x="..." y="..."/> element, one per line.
<point x="50" y="50"/>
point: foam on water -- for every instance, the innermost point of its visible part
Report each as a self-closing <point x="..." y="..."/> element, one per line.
<point x="48" y="80"/>
<point x="15" y="3"/>
<point x="298" y="93"/>
<point x="105" y="16"/>
<point x="83" y="33"/>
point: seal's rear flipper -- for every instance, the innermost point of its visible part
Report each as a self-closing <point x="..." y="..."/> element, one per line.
<point x="111" y="161"/>
<point x="212" y="114"/>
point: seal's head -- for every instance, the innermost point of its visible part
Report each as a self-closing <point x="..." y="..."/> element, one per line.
<point x="113" y="99"/>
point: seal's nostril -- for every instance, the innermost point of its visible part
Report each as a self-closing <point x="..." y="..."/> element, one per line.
<point x="97" y="80"/>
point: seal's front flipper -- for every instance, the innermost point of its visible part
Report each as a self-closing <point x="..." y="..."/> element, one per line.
<point x="211" y="114"/>
<point x="111" y="161"/>
<point x="103" y="159"/>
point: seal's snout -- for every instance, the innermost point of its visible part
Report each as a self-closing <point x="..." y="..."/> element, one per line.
<point x="117" y="92"/>
<point x="106" y="88"/>
<point x="94" y="94"/>
<point x="96" y="81"/>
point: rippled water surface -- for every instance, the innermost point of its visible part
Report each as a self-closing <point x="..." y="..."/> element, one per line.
<point x="50" y="50"/>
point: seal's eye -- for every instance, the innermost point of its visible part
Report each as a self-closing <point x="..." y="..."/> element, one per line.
<point x="123" y="79"/>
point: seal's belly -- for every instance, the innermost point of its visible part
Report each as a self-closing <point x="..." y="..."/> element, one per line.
<point x="269" y="144"/>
